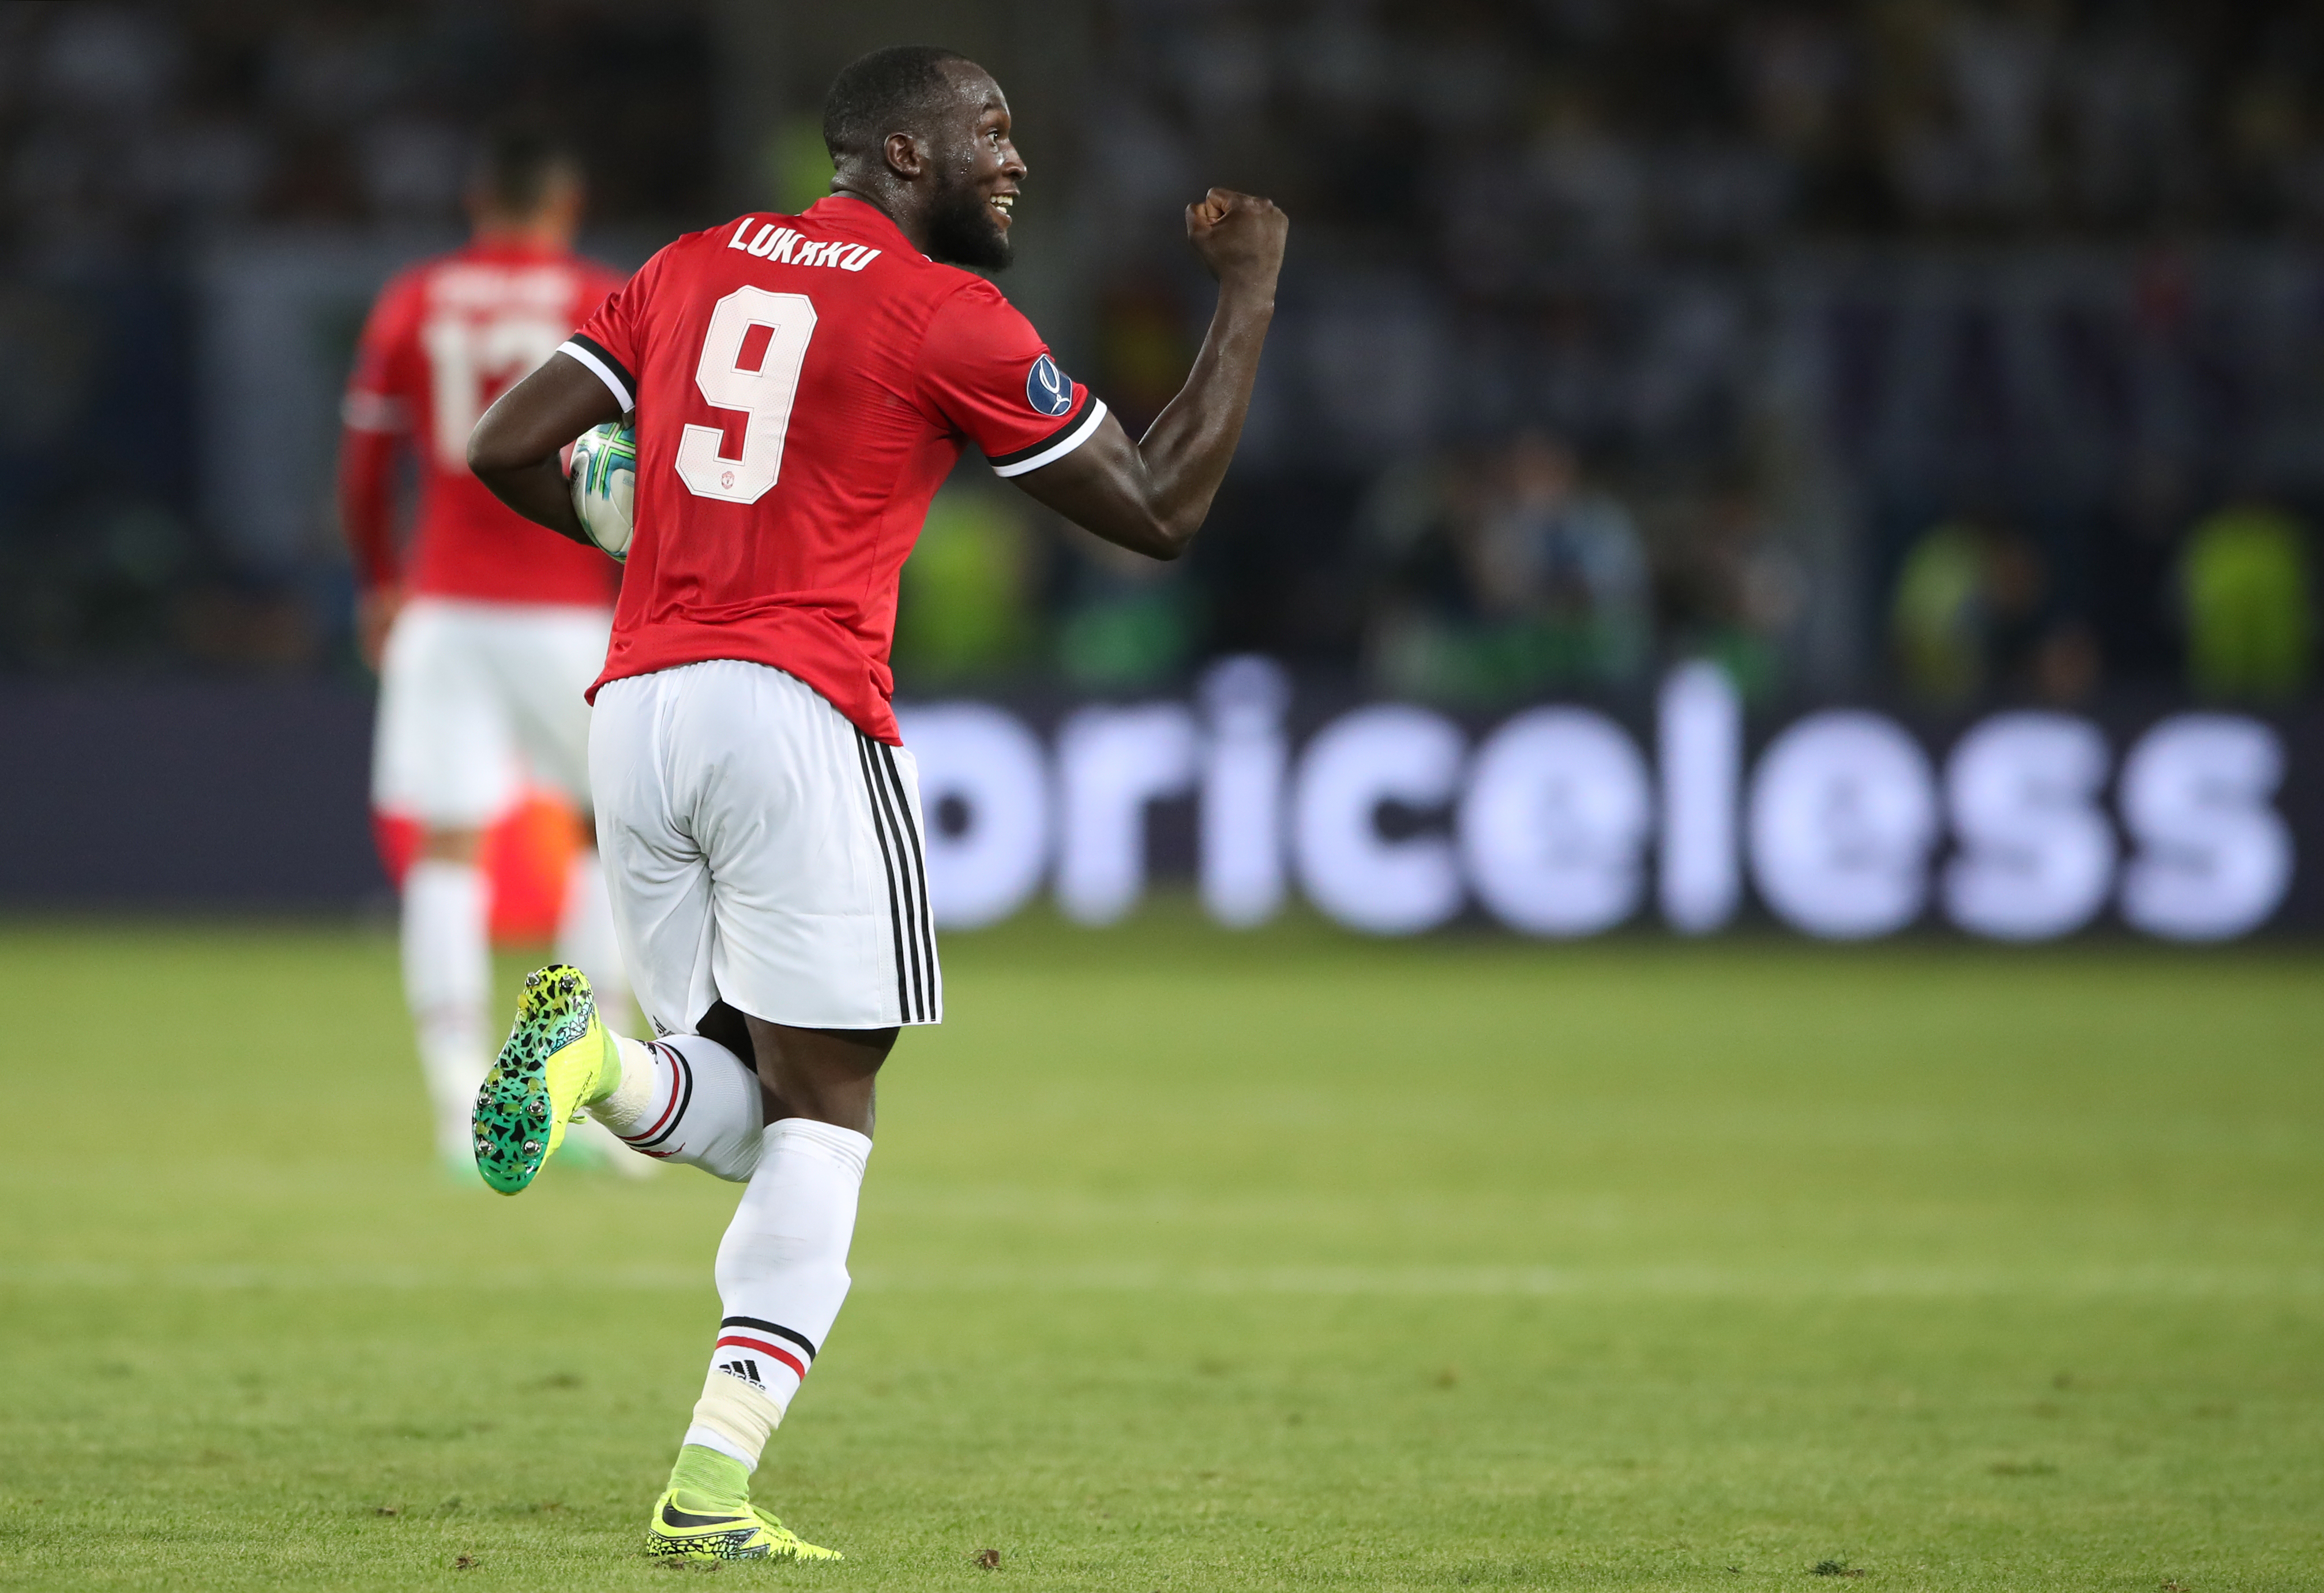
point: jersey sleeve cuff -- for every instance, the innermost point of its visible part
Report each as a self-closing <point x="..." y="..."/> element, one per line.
<point x="1057" y="445"/>
<point x="606" y="367"/>
<point x="371" y="411"/>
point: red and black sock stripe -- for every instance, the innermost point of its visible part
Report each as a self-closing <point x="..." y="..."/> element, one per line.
<point x="771" y="1340"/>
<point x="673" y="1111"/>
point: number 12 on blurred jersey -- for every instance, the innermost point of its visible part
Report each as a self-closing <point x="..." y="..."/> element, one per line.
<point x="471" y="358"/>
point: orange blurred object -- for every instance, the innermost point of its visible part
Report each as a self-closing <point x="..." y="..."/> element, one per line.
<point x="526" y="857"/>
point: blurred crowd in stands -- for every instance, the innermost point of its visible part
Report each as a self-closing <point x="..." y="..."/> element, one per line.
<point x="135" y="140"/>
<point x="128" y="125"/>
<point x="1960" y="348"/>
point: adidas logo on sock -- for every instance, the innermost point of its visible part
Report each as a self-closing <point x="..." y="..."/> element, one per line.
<point x="747" y="1371"/>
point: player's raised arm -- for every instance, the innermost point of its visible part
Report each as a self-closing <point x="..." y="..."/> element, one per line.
<point x="1151" y="495"/>
<point x="515" y="447"/>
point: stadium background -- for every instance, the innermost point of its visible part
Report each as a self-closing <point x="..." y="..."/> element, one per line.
<point x="1652" y="379"/>
<point x="1940" y="358"/>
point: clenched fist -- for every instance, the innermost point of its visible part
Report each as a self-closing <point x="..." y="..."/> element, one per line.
<point x="1240" y="236"/>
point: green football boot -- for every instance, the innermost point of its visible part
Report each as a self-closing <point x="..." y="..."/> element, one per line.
<point x="676" y="1532"/>
<point x="559" y="1058"/>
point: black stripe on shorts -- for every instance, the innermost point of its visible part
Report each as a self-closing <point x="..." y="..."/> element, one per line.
<point x="916" y="871"/>
<point x="889" y="844"/>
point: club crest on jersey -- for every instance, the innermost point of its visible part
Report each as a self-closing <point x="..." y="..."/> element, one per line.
<point x="1047" y="388"/>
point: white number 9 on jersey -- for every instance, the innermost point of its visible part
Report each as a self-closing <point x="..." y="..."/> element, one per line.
<point x="756" y="374"/>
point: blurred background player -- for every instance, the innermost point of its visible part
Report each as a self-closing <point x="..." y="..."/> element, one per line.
<point x="487" y="632"/>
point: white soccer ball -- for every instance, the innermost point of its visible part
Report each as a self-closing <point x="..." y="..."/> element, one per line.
<point x="604" y="477"/>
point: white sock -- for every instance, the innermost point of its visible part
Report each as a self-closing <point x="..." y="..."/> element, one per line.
<point x="620" y="1160"/>
<point x="782" y="1273"/>
<point x="584" y="937"/>
<point x="690" y="1101"/>
<point x="447" y="971"/>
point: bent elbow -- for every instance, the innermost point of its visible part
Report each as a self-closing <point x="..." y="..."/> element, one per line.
<point x="1174" y="538"/>
<point x="498" y="444"/>
<point x="483" y="459"/>
<point x="1155" y="536"/>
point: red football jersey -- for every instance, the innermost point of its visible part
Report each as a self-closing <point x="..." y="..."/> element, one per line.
<point x="803" y="385"/>
<point x="444" y="338"/>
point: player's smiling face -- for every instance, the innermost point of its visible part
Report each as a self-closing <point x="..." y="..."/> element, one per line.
<point x="978" y="172"/>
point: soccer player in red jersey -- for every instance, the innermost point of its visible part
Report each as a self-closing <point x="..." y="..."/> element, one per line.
<point x="800" y="385"/>
<point x="486" y="634"/>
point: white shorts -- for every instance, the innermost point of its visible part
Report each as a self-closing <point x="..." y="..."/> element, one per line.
<point x="762" y="850"/>
<point x="476" y="696"/>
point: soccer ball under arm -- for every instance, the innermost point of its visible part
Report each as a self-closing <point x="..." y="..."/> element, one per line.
<point x="604" y="478"/>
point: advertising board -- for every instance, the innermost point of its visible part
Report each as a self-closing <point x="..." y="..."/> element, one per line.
<point x="1566" y="819"/>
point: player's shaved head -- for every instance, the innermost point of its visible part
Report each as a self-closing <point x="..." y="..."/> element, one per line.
<point x="924" y="133"/>
<point x="898" y="89"/>
<point x="521" y="168"/>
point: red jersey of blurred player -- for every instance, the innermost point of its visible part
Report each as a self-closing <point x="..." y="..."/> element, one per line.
<point x="486" y="635"/>
<point x="444" y="338"/>
<point x="824" y="351"/>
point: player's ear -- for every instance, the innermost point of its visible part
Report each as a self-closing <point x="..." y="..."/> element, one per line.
<point x="904" y="155"/>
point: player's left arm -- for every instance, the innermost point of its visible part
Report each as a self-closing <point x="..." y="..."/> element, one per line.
<point x="376" y="417"/>
<point x="516" y="449"/>
<point x="1152" y="495"/>
<point x="366" y="516"/>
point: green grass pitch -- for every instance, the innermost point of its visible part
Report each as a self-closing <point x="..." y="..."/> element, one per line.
<point x="1190" y="1260"/>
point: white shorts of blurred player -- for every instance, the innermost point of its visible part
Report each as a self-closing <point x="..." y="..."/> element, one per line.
<point x="760" y="850"/>
<point x="475" y="700"/>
